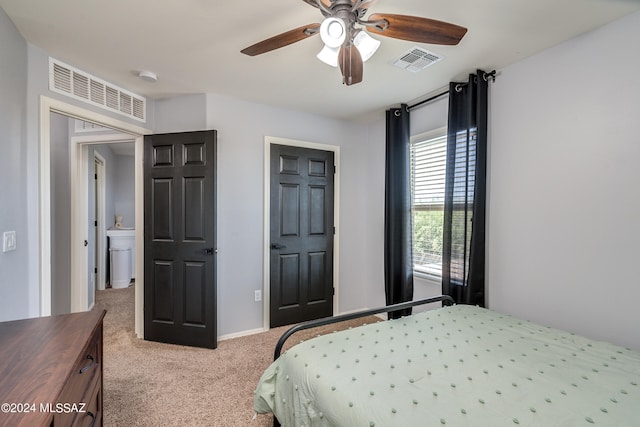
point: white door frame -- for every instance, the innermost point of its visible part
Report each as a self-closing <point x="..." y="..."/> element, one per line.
<point x="79" y="167"/>
<point x="100" y="241"/>
<point x="266" y="288"/>
<point x="47" y="106"/>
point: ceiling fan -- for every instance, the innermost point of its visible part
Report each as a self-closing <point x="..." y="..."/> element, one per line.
<point x="346" y="44"/>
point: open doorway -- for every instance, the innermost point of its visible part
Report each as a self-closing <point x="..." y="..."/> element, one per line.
<point x="106" y="163"/>
<point x="78" y="222"/>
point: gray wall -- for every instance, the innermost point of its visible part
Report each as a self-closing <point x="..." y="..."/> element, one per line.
<point x="124" y="189"/>
<point x="241" y="128"/>
<point x="60" y="215"/>
<point x="16" y="296"/>
<point x="181" y="114"/>
<point x="564" y="186"/>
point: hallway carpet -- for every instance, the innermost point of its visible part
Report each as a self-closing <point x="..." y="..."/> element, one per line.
<point x="153" y="384"/>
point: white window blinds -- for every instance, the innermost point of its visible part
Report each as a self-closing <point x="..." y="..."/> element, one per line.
<point x="428" y="168"/>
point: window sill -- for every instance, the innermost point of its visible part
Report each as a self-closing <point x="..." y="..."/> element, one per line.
<point x="428" y="279"/>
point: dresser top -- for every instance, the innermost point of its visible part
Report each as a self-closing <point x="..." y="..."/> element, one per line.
<point x="37" y="356"/>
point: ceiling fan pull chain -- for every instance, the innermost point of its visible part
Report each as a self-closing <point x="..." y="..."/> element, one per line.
<point x="349" y="67"/>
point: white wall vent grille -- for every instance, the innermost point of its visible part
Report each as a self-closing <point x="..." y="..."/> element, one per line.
<point x="81" y="127"/>
<point x="416" y="59"/>
<point x="77" y="84"/>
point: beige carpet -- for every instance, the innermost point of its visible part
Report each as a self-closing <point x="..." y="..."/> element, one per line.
<point x="153" y="384"/>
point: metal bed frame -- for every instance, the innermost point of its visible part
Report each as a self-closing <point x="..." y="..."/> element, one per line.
<point x="445" y="299"/>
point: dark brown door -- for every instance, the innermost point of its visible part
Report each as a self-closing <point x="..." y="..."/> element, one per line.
<point x="301" y="200"/>
<point x="180" y="238"/>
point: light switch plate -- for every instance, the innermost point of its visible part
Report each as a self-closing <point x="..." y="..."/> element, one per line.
<point x="8" y="241"/>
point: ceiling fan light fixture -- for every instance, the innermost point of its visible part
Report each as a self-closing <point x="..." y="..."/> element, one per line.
<point x="329" y="55"/>
<point x="333" y="32"/>
<point x="366" y="45"/>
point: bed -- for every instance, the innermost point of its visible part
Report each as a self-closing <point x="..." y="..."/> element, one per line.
<point x="457" y="365"/>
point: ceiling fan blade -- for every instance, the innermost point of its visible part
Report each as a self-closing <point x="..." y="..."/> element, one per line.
<point x="414" y="28"/>
<point x="281" y="40"/>
<point x="350" y="62"/>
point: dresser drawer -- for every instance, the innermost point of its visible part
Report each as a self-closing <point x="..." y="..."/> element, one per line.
<point x="83" y="384"/>
<point x="40" y="362"/>
<point x="93" y="415"/>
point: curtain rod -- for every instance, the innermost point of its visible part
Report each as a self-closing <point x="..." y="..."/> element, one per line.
<point x="486" y="76"/>
<point x="434" y="97"/>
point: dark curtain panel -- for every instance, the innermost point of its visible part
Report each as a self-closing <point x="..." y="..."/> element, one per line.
<point x="398" y="262"/>
<point x="463" y="257"/>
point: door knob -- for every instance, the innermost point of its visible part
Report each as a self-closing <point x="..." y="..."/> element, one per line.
<point x="278" y="246"/>
<point x="209" y="251"/>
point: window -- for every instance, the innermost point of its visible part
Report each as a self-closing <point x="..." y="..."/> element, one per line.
<point x="428" y="167"/>
<point x="463" y="193"/>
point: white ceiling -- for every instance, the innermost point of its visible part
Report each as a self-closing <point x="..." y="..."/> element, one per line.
<point x="194" y="45"/>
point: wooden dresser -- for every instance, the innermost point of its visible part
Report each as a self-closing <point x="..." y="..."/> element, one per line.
<point x="51" y="371"/>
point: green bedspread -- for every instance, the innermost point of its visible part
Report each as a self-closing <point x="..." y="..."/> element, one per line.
<point x="456" y="366"/>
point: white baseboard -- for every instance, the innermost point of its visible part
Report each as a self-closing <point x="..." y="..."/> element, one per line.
<point x="241" y="334"/>
<point x="381" y="316"/>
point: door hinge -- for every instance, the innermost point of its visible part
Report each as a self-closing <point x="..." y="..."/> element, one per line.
<point x="95" y="223"/>
<point x="333" y="291"/>
<point x="95" y="270"/>
<point x="334" y="231"/>
<point x="95" y="176"/>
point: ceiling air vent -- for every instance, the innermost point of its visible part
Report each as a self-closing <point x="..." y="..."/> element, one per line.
<point x="416" y="59"/>
<point x="77" y="84"/>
